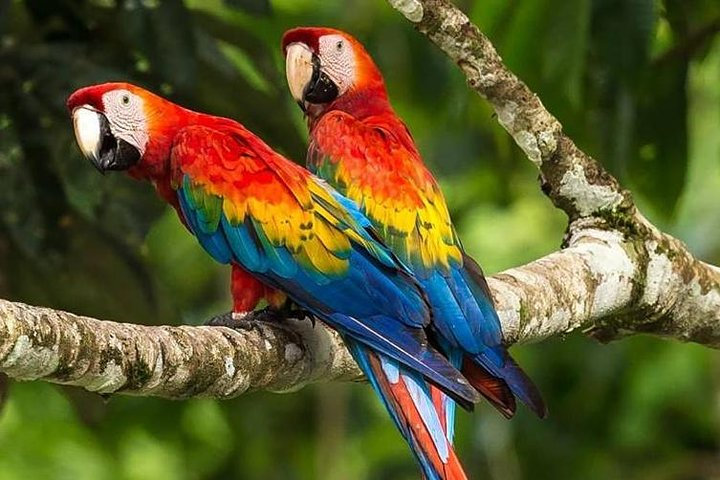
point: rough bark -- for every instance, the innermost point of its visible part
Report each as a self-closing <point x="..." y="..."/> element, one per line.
<point x="172" y="362"/>
<point x="615" y="275"/>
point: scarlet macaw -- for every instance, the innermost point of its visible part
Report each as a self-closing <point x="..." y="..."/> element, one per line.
<point x="279" y="225"/>
<point x="362" y="148"/>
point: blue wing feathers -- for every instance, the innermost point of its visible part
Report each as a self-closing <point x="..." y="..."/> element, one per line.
<point x="381" y="307"/>
<point x="489" y="329"/>
<point x="279" y="259"/>
<point x="214" y="243"/>
<point x="244" y="247"/>
<point x="449" y="317"/>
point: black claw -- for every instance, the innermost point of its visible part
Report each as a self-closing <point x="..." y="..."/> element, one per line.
<point x="299" y="313"/>
<point x="250" y="321"/>
<point x="303" y="314"/>
<point x="222" y="320"/>
<point x="246" y="324"/>
<point x="267" y="317"/>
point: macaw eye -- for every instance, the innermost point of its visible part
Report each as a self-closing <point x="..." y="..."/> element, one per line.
<point x="125" y="99"/>
<point x="339" y="45"/>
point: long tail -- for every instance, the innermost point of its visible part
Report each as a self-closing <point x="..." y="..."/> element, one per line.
<point x="408" y="399"/>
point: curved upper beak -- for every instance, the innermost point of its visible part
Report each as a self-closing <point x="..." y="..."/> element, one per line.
<point x="308" y="83"/>
<point x="298" y="69"/>
<point x="88" y="125"/>
<point x="98" y="144"/>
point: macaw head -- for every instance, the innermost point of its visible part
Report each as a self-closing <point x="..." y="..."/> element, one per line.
<point x="324" y="65"/>
<point x="119" y="126"/>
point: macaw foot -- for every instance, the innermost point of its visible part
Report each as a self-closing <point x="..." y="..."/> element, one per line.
<point x="298" y="313"/>
<point x="222" y="320"/>
<point x="244" y="320"/>
<point x="268" y="317"/>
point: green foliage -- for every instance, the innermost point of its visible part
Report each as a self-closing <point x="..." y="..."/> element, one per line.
<point x="635" y="82"/>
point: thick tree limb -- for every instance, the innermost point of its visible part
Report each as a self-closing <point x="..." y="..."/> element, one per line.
<point x="173" y="362"/>
<point x="616" y="275"/>
<point x="591" y="285"/>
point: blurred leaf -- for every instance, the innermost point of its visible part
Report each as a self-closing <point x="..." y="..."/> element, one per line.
<point x="642" y="106"/>
<point x="185" y="270"/>
<point x="4" y="389"/>
<point x="61" y="448"/>
<point x="691" y="16"/>
<point x="622" y="31"/>
<point x="245" y="66"/>
<point x="565" y="67"/>
<point x="145" y="457"/>
<point x="205" y="423"/>
<point x="4" y="10"/>
<point x="659" y="164"/>
<point x="165" y="34"/>
<point x="256" y="7"/>
<point x="490" y="15"/>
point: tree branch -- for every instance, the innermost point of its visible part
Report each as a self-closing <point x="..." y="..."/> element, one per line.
<point x="590" y="285"/>
<point x="575" y="182"/>
<point x="173" y="362"/>
<point x="621" y="275"/>
<point x="616" y="275"/>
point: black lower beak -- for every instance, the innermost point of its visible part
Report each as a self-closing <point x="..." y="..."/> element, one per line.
<point x="114" y="154"/>
<point x="320" y="88"/>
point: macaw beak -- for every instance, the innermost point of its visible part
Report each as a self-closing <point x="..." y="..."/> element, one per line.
<point x="307" y="82"/>
<point x="98" y="144"/>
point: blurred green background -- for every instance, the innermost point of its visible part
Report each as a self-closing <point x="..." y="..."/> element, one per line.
<point x="635" y="82"/>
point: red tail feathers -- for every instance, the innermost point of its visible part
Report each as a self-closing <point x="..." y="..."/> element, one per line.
<point x="493" y="388"/>
<point x="410" y="412"/>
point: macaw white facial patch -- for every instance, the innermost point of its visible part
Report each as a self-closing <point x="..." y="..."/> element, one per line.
<point x="337" y="60"/>
<point x="126" y="114"/>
